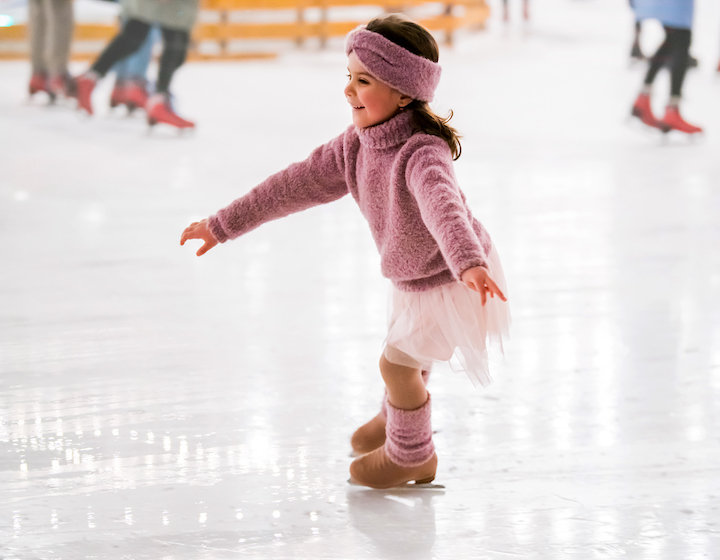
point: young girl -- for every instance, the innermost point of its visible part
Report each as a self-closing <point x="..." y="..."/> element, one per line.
<point x="397" y="163"/>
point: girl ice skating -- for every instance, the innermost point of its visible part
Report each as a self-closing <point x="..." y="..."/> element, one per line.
<point x="396" y="161"/>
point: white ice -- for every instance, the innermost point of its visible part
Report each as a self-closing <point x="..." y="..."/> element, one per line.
<point x="156" y="405"/>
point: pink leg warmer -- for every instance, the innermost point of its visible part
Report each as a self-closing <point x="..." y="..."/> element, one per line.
<point x="409" y="435"/>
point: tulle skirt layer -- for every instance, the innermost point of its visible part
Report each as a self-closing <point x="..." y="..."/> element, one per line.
<point x="448" y="323"/>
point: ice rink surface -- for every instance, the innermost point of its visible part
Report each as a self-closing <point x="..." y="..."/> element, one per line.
<point x="156" y="405"/>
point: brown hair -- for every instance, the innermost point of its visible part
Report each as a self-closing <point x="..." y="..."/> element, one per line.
<point x="418" y="40"/>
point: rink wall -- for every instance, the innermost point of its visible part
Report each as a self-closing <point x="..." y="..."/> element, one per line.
<point x="235" y="29"/>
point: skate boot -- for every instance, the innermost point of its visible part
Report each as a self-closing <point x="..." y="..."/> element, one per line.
<point x="673" y="121"/>
<point x="643" y="111"/>
<point x="136" y="96"/>
<point x="117" y="97"/>
<point x="371" y="435"/>
<point x="63" y="84"/>
<point x="85" y="85"/>
<point x="38" y="83"/>
<point x="408" y="454"/>
<point x="159" y="110"/>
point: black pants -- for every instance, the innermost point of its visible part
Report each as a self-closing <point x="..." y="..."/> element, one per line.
<point x="131" y="38"/>
<point x="675" y="53"/>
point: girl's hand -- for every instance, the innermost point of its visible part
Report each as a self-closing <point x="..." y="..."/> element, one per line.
<point x="199" y="230"/>
<point x="478" y="279"/>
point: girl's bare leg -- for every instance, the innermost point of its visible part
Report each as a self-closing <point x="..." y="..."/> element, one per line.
<point x="405" y="386"/>
<point x="408" y="453"/>
<point x="371" y="435"/>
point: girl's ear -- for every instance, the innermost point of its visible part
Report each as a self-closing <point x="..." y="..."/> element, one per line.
<point x="404" y="101"/>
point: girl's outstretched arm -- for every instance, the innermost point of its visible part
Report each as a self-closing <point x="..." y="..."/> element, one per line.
<point x="199" y="230"/>
<point x="477" y="278"/>
<point x="317" y="180"/>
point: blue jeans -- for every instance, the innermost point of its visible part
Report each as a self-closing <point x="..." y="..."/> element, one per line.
<point x="135" y="66"/>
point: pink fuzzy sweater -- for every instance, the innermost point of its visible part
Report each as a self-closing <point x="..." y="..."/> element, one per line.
<point x="404" y="184"/>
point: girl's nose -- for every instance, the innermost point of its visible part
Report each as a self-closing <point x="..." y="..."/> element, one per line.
<point x="348" y="90"/>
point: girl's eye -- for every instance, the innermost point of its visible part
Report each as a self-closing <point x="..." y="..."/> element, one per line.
<point x="363" y="81"/>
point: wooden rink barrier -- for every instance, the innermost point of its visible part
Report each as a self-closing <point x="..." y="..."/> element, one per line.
<point x="238" y="29"/>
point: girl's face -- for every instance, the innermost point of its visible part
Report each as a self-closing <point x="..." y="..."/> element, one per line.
<point x="372" y="101"/>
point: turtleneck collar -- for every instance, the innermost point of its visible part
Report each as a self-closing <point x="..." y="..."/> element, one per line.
<point x="388" y="134"/>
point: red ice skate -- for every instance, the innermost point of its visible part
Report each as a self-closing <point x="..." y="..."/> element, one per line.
<point x="117" y="96"/>
<point x="159" y="111"/>
<point x="38" y="83"/>
<point x="136" y="95"/>
<point x="673" y="121"/>
<point x="643" y="111"/>
<point x="63" y="84"/>
<point x="85" y="85"/>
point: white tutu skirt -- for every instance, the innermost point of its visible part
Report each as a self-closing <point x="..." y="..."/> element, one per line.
<point x="448" y="324"/>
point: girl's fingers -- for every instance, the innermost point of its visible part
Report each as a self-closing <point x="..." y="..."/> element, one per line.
<point x="190" y="232"/>
<point x="494" y="288"/>
<point x="186" y="233"/>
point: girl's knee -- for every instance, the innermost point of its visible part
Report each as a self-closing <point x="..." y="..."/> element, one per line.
<point x="396" y="371"/>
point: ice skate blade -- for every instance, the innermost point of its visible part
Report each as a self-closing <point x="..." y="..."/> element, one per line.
<point x="355" y="454"/>
<point x="636" y="125"/>
<point x="152" y="123"/>
<point x="50" y="96"/>
<point x="690" y="135"/>
<point x="407" y="486"/>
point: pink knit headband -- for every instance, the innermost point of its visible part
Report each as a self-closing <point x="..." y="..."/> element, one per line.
<point x="410" y="74"/>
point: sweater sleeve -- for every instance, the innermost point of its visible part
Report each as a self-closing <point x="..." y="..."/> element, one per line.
<point x="317" y="180"/>
<point x="432" y="182"/>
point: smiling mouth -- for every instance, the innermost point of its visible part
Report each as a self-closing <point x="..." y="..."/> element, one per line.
<point x="358" y="107"/>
